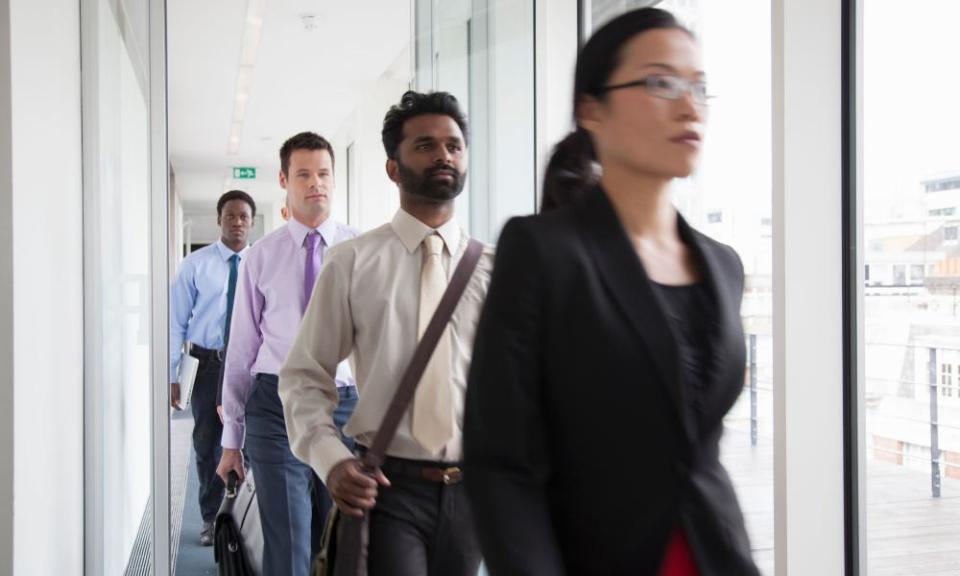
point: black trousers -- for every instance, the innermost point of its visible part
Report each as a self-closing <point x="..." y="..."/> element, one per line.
<point x="421" y="527"/>
<point x="207" y="430"/>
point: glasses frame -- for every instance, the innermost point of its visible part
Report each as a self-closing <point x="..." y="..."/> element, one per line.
<point x="647" y="84"/>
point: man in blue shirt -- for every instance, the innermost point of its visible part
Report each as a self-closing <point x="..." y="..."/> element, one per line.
<point x="201" y="303"/>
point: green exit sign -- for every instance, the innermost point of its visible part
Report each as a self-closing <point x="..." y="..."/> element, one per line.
<point x="244" y="173"/>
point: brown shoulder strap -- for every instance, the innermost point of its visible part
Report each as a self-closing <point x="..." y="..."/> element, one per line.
<point x="373" y="458"/>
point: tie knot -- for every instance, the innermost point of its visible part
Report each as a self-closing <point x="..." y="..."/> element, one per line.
<point x="311" y="241"/>
<point x="234" y="258"/>
<point x="433" y="244"/>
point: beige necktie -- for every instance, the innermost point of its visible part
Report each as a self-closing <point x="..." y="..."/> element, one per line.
<point x="433" y="403"/>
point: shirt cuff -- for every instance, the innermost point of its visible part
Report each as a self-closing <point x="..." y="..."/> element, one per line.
<point x="326" y="453"/>
<point x="232" y="436"/>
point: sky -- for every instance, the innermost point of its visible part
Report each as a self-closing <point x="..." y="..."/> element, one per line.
<point x="911" y="101"/>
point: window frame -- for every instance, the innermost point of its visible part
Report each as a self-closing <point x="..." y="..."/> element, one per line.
<point x="854" y="280"/>
<point x="818" y="354"/>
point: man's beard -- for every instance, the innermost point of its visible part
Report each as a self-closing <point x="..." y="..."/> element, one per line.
<point x="425" y="186"/>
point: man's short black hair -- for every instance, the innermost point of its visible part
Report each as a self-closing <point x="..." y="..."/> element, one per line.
<point x="303" y="141"/>
<point x="236" y="195"/>
<point x="414" y="104"/>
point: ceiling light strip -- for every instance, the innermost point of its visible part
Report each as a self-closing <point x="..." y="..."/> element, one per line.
<point x="248" y="58"/>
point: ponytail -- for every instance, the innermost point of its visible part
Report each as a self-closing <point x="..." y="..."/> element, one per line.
<point x="570" y="172"/>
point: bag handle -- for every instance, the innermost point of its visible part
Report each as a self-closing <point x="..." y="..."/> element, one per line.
<point x="373" y="457"/>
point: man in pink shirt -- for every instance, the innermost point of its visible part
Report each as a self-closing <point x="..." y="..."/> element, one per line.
<point x="276" y="281"/>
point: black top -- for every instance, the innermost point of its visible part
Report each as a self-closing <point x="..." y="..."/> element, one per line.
<point x="582" y="452"/>
<point x="689" y="309"/>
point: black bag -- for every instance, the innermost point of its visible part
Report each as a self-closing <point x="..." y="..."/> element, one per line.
<point x="237" y="535"/>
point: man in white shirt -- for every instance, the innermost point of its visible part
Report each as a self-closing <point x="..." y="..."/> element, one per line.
<point x="367" y="302"/>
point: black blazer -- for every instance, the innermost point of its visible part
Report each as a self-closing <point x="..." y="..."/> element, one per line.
<point x="582" y="453"/>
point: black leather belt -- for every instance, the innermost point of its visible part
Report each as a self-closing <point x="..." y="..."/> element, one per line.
<point x="448" y="473"/>
<point x="201" y="353"/>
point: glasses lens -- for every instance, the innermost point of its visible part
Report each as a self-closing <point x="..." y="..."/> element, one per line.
<point x="699" y="91"/>
<point x="669" y="87"/>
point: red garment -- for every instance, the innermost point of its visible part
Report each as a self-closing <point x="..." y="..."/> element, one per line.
<point x="678" y="558"/>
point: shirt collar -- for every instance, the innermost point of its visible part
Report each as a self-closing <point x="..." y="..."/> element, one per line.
<point x="412" y="231"/>
<point x="299" y="231"/>
<point x="226" y="253"/>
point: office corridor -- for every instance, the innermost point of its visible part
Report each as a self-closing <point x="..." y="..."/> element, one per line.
<point x="187" y="555"/>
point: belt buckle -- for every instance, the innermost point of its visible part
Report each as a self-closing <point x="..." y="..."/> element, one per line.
<point x="452" y="475"/>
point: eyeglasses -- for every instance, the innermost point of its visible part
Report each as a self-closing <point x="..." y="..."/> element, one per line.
<point x="668" y="87"/>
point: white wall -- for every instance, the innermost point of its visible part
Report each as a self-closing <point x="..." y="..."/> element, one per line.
<point x="175" y="232"/>
<point x="47" y="288"/>
<point x="272" y="219"/>
<point x="377" y="197"/>
<point x="6" y="299"/>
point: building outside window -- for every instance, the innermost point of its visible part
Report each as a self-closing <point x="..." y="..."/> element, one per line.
<point x="911" y="337"/>
<point x="730" y="198"/>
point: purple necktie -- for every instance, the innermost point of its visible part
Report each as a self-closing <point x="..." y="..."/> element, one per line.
<point x="314" y="260"/>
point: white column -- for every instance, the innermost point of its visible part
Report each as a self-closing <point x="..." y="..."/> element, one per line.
<point x="556" y="58"/>
<point x="159" y="289"/>
<point x="423" y="41"/>
<point x="45" y="237"/>
<point x="6" y="298"/>
<point x="808" y="360"/>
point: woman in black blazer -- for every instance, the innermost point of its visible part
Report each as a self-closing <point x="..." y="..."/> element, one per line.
<point x="610" y="346"/>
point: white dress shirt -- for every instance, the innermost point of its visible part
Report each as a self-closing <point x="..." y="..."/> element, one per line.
<point x="365" y="303"/>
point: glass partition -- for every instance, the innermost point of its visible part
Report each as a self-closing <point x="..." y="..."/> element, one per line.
<point x="730" y="199"/>
<point x="118" y="279"/>
<point x="482" y="52"/>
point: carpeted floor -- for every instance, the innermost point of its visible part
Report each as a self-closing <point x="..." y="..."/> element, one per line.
<point x="191" y="559"/>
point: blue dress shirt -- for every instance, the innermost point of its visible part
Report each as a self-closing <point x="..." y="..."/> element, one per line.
<point x="198" y="301"/>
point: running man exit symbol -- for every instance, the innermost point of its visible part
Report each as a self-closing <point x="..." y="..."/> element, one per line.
<point x="244" y="173"/>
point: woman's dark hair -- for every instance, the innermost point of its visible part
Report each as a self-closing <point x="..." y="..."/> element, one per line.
<point x="570" y="172"/>
<point x="236" y="195"/>
<point x="413" y="104"/>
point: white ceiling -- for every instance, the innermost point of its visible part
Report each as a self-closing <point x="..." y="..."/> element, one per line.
<point x="303" y="80"/>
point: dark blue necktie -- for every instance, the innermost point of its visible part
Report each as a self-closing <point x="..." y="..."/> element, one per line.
<point x="231" y="291"/>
